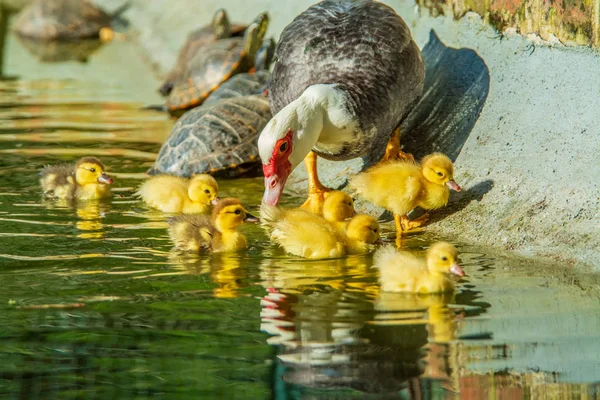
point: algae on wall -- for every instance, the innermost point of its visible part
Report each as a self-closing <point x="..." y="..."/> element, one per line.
<point x="571" y="21"/>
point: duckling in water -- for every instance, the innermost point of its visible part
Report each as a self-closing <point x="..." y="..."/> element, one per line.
<point x="308" y="235"/>
<point x="200" y="233"/>
<point x="338" y="207"/>
<point x="401" y="271"/>
<point x="85" y="180"/>
<point x="173" y="194"/>
<point x="403" y="185"/>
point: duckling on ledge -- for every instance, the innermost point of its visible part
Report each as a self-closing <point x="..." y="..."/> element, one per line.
<point x="401" y="271"/>
<point x="85" y="180"/>
<point x="308" y="235"/>
<point x="199" y="233"/>
<point x="173" y="194"/>
<point x="403" y="185"/>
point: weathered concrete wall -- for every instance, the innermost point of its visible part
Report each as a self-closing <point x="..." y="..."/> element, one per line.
<point x="521" y="122"/>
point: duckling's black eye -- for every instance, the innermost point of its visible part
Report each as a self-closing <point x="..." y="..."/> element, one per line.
<point x="283" y="147"/>
<point x="206" y="191"/>
<point x="440" y="173"/>
<point x="444" y="258"/>
<point x="92" y="169"/>
<point x="238" y="212"/>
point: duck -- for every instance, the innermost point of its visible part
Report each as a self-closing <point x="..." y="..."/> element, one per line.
<point x="308" y="235"/>
<point x="174" y="194"/>
<point x="338" y="208"/>
<point x="84" y="180"/>
<point x="347" y="72"/>
<point x="401" y="271"/>
<point x="400" y="186"/>
<point x="218" y="233"/>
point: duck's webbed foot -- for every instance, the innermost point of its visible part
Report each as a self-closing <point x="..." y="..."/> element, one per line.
<point x="408" y="224"/>
<point x="393" y="151"/>
<point x="316" y="190"/>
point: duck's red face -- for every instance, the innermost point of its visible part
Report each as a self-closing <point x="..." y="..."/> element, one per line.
<point x="278" y="169"/>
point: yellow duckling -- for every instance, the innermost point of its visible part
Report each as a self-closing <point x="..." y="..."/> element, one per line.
<point x="308" y="235"/>
<point x="362" y="233"/>
<point x="338" y="207"/>
<point x="86" y="180"/>
<point x="200" y="233"/>
<point x="173" y="194"/>
<point x="401" y="271"/>
<point x="403" y="185"/>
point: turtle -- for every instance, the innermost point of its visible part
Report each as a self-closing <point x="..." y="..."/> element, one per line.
<point x="219" y="139"/>
<point x="219" y="28"/>
<point x="64" y="20"/>
<point x="52" y="52"/>
<point x="247" y="83"/>
<point x="214" y="65"/>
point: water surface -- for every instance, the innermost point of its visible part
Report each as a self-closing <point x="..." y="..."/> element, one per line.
<point x="94" y="303"/>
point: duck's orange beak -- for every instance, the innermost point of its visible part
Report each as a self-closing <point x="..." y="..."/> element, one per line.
<point x="215" y="201"/>
<point x="107" y="180"/>
<point x="453" y="185"/>
<point x="273" y="189"/>
<point x="457" y="270"/>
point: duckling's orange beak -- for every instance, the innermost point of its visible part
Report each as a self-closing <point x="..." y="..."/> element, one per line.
<point x="457" y="270"/>
<point x="251" y="218"/>
<point x="215" y="201"/>
<point x="453" y="185"/>
<point x="107" y="180"/>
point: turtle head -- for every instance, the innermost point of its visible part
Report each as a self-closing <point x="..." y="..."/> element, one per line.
<point x="255" y="33"/>
<point x="220" y="24"/>
<point x="264" y="55"/>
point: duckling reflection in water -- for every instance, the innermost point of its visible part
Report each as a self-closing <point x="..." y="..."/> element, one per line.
<point x="401" y="271"/>
<point x="173" y="194"/>
<point x="85" y="180"/>
<point x="199" y="233"/>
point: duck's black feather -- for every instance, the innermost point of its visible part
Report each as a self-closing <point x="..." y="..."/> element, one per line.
<point x="366" y="48"/>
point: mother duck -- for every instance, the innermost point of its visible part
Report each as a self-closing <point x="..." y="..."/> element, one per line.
<point x="346" y="74"/>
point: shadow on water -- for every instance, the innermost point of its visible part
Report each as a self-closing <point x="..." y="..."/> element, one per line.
<point x="456" y="86"/>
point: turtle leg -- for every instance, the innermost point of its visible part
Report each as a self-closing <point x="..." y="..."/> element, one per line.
<point x="316" y="190"/>
<point x="393" y="152"/>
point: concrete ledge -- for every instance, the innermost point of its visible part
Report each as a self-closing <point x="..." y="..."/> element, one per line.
<point x="520" y="121"/>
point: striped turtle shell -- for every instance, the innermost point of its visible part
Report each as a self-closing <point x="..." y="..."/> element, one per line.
<point x="219" y="28"/>
<point x="214" y="65"/>
<point x="219" y="138"/>
<point x="61" y="20"/>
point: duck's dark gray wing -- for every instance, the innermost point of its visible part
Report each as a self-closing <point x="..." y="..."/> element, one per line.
<point x="366" y="48"/>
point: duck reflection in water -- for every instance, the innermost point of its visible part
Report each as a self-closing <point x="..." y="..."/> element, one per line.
<point x="334" y="332"/>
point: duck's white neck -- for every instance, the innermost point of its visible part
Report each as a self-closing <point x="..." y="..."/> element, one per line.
<point x="322" y="121"/>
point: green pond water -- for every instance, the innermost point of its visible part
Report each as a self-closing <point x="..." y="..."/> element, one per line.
<point x="94" y="304"/>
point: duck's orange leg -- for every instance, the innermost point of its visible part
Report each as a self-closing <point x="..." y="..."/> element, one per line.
<point x="316" y="190"/>
<point x="393" y="152"/>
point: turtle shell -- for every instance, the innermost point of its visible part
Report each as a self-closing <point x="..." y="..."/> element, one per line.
<point x="61" y="51"/>
<point x="243" y="84"/>
<point x="61" y="20"/>
<point x="219" y="139"/>
<point x="206" y="71"/>
<point x="195" y="41"/>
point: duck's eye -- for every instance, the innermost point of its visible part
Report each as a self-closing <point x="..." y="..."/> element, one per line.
<point x="92" y="169"/>
<point x="444" y="258"/>
<point x="283" y="147"/>
<point x="206" y="191"/>
<point x="440" y="173"/>
<point x="238" y="212"/>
